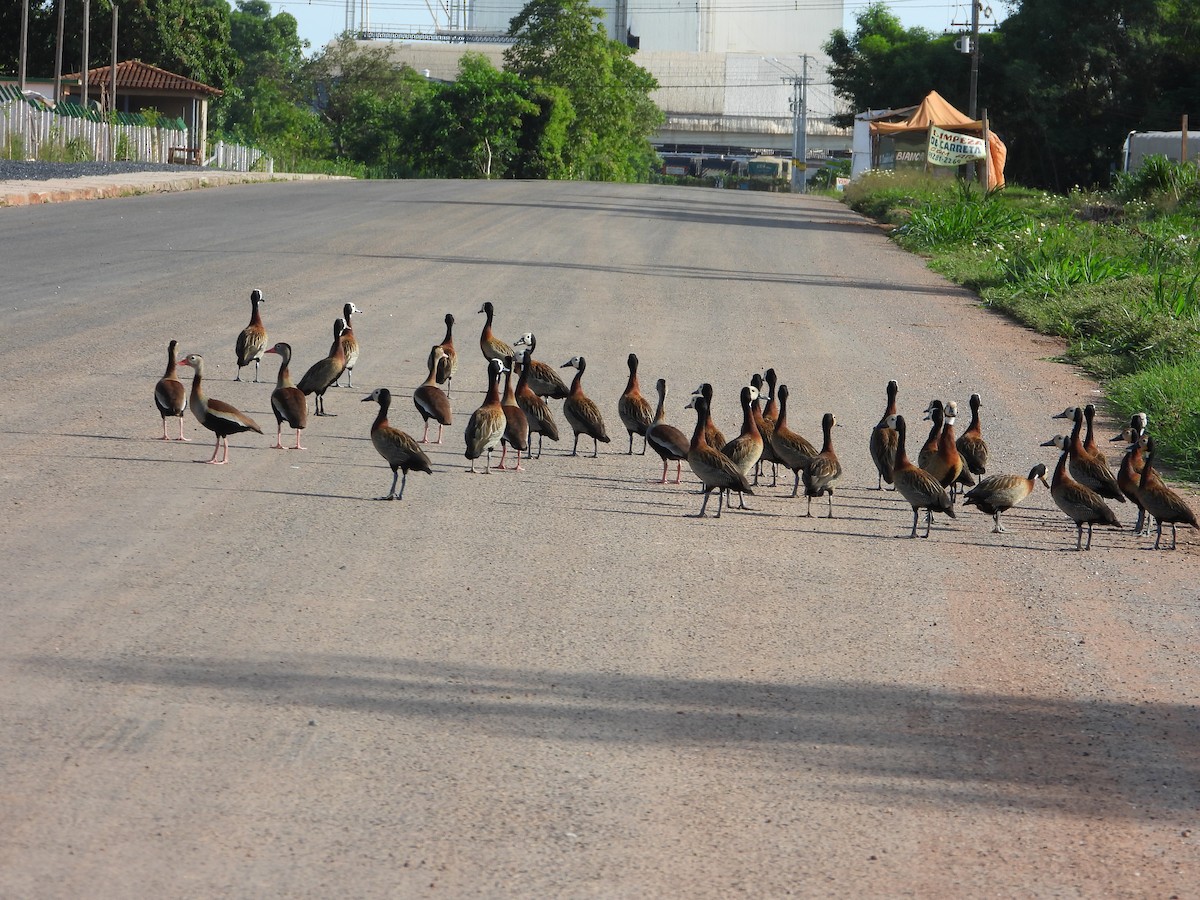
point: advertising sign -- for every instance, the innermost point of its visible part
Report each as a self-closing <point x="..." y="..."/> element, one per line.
<point x="948" y="148"/>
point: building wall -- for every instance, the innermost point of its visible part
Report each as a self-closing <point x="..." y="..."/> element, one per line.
<point x="698" y="26"/>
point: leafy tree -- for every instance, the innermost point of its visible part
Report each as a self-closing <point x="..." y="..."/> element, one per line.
<point x="43" y="22"/>
<point x="188" y="37"/>
<point x="884" y="65"/>
<point x="562" y="43"/>
<point x="545" y="135"/>
<point x="342" y="74"/>
<point x="472" y="126"/>
<point x="266" y="106"/>
<point x="1075" y="80"/>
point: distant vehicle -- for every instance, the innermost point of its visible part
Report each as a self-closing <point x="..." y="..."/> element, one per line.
<point x="1140" y="144"/>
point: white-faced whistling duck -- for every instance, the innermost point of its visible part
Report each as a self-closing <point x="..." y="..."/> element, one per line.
<point x="252" y="342"/>
<point x="287" y="401"/>
<point x="170" y="395"/>
<point x="397" y="448"/>
<point x="633" y="408"/>
<point x="997" y="494"/>
<point x="918" y="487"/>
<point x="580" y="412"/>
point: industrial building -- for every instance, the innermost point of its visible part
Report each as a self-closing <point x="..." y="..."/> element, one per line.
<point x="736" y="77"/>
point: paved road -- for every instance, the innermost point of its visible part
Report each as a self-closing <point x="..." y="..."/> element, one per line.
<point x="253" y="680"/>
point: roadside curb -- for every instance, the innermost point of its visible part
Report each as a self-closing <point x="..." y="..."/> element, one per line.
<point x="61" y="190"/>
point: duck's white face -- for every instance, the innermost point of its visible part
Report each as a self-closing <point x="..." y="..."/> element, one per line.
<point x="891" y="420"/>
<point x="524" y="340"/>
<point x="354" y="310"/>
<point x="572" y="363"/>
<point x="192" y="359"/>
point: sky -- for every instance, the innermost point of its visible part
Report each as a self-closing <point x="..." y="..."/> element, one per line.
<point x="322" y="20"/>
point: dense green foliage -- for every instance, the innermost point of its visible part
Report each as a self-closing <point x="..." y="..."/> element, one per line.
<point x="1117" y="277"/>
<point x="1063" y="83"/>
<point x="561" y="43"/>
<point x="569" y="104"/>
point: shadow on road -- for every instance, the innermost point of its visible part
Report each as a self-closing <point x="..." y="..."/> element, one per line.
<point x="904" y="743"/>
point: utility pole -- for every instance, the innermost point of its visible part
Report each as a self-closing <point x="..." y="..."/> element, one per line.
<point x="24" y="45"/>
<point x="87" y="27"/>
<point x="799" y="105"/>
<point x="974" y="97"/>
<point x="62" y="13"/>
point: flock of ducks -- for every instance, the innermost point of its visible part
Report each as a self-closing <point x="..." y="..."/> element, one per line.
<point x="946" y="464"/>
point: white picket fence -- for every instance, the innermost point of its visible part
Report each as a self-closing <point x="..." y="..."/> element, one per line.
<point x="39" y="133"/>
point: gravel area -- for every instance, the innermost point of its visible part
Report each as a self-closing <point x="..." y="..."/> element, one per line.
<point x="19" y="170"/>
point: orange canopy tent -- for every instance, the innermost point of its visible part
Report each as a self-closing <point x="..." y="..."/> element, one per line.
<point x="935" y="110"/>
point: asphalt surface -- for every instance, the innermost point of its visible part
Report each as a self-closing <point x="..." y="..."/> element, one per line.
<point x="256" y="680"/>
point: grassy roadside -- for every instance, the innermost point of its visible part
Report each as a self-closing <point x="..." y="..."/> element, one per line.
<point x="1116" y="274"/>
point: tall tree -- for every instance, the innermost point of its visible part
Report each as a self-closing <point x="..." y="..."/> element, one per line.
<point x="472" y="126"/>
<point x="349" y="81"/>
<point x="266" y="105"/>
<point x="562" y="43"/>
<point x="1075" y="80"/>
<point x="884" y="65"/>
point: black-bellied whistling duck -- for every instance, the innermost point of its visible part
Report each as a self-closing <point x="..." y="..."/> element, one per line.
<point x="395" y="446"/>
<point x="711" y="466"/>
<point x="971" y="446"/>
<point x="1081" y="504"/>
<point x="581" y="413"/>
<point x="516" y="423"/>
<point x="746" y="449"/>
<point x="350" y="346"/>
<point x="252" y="342"/>
<point x="543" y="380"/>
<point x="883" y="438"/>
<point x="712" y="434"/>
<point x="1129" y="475"/>
<point x="997" y="494"/>
<point x="492" y="346"/>
<point x="287" y="400"/>
<point x="667" y="441"/>
<point x="448" y="365"/>
<point x="794" y="451"/>
<point x="218" y="417"/>
<point x="824" y="469"/>
<point x="765" y="428"/>
<point x="1090" y="470"/>
<point x="1160" y="501"/>
<point x="915" y="485"/>
<point x="431" y="401"/>
<point x="170" y="396"/>
<point x="485" y="428"/>
<point x="633" y="408"/>
<point x="322" y="374"/>
<point x="537" y="411"/>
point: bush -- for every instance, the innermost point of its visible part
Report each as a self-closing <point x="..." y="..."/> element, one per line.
<point x="1117" y="276"/>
